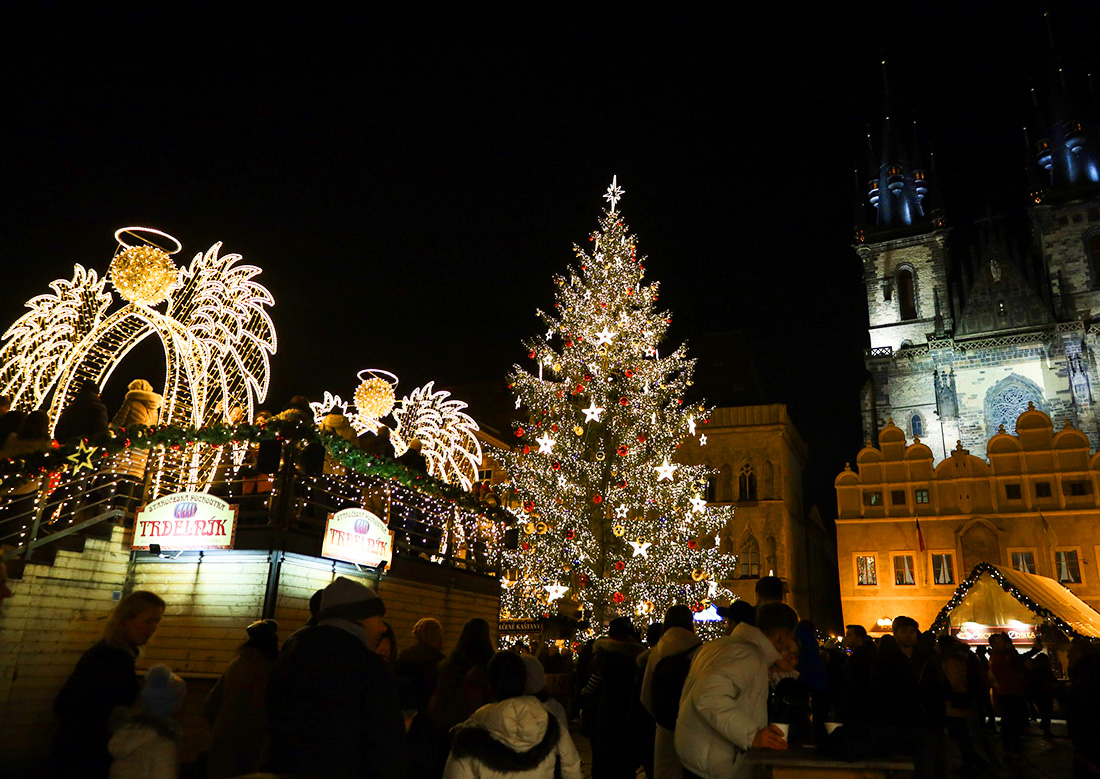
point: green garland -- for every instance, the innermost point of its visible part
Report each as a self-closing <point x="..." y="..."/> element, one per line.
<point x="942" y="622"/>
<point x="19" y="470"/>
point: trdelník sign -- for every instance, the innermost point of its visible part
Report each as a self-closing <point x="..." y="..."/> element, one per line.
<point x="357" y="536"/>
<point x="185" y="520"/>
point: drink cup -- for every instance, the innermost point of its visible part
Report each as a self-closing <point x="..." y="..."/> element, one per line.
<point x="783" y="727"/>
<point x="831" y="726"/>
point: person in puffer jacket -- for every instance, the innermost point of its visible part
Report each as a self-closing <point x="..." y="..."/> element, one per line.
<point x="145" y="745"/>
<point x="515" y="737"/>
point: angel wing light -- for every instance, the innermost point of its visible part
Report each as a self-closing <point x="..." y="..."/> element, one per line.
<point x="445" y="431"/>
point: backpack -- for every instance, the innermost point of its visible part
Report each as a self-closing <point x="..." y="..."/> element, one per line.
<point x="668" y="684"/>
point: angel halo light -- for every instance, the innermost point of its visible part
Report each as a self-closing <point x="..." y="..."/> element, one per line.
<point x="215" y="329"/>
<point x="446" y="432"/>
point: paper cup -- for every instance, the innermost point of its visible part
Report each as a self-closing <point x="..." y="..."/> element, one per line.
<point x="784" y="727"/>
<point x="831" y="726"/>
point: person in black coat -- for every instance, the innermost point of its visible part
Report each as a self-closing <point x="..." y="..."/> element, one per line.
<point x="85" y="417"/>
<point x="610" y="687"/>
<point x="104" y="678"/>
<point x="417" y="666"/>
<point x="333" y="707"/>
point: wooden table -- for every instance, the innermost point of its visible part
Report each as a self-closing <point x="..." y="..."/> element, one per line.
<point x="807" y="763"/>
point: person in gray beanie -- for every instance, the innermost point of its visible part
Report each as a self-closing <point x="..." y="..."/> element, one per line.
<point x="333" y="708"/>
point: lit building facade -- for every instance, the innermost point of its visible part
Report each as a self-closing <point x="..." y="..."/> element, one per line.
<point x="909" y="529"/>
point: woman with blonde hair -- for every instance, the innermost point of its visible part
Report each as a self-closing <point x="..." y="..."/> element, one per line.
<point x="104" y="678"/>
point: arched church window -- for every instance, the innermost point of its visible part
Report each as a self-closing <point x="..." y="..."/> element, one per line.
<point x="1007" y="399"/>
<point x="749" y="559"/>
<point x="746" y="483"/>
<point x="916" y="425"/>
<point x="1092" y="249"/>
<point x="906" y="299"/>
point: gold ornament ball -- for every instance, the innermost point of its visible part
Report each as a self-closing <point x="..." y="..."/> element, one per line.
<point x="143" y="274"/>
<point x="541" y="528"/>
<point x="374" y="398"/>
<point x="578" y="430"/>
<point x="618" y="530"/>
<point x="529" y="528"/>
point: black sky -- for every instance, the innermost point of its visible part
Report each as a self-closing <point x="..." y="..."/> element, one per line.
<point x="410" y="183"/>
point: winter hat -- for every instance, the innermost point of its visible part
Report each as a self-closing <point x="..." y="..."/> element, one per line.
<point x="163" y="692"/>
<point x="264" y="628"/>
<point x="350" y="600"/>
<point x="536" y="675"/>
<point x="140" y="384"/>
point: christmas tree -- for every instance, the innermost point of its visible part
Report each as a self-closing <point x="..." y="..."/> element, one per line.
<point x="610" y="524"/>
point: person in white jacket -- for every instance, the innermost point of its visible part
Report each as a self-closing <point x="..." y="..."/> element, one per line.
<point x="724" y="706"/>
<point x="515" y="737"/>
<point x="678" y="637"/>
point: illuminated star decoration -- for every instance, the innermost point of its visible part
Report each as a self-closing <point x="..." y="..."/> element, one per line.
<point x="614" y="193"/>
<point x="592" y="413"/>
<point x="665" y="470"/>
<point x="555" y="591"/>
<point x="641" y="547"/>
<point x="604" y="337"/>
<point x="82" y="457"/>
<point x="621" y="511"/>
<point x="703" y="440"/>
<point x="698" y="504"/>
<point x="561" y="481"/>
<point x="691" y="425"/>
<point x="546" y="444"/>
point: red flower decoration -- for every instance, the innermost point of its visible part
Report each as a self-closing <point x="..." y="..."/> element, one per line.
<point x="597" y="499"/>
<point x="619" y="565"/>
<point x="697" y="607"/>
<point x="568" y="343"/>
<point x="618" y="597"/>
<point x="519" y="432"/>
<point x="622" y="450"/>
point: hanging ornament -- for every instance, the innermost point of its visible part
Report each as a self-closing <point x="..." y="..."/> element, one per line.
<point x="525" y="546"/>
<point x="529" y="528"/>
<point x="698" y="575"/>
<point x="628" y="373"/>
<point x="600" y="456"/>
<point x="556" y="465"/>
<point x="578" y="430"/>
<point x="143" y="274"/>
<point x="692" y="543"/>
<point x="618" y="530"/>
<point x="618" y="597"/>
<point x="374" y="397"/>
<point x="597" y="499"/>
<point x="570" y="535"/>
<point x="528" y="505"/>
<point x="622" y="450"/>
<point x="641" y="438"/>
<point x="541" y="528"/>
<point x="624" y="401"/>
<point x="619" y="565"/>
<point x="519" y="432"/>
<point x="531" y="354"/>
<point x="582" y="580"/>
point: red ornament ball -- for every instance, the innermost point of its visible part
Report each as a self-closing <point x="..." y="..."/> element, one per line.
<point x="582" y="580"/>
<point x="588" y="377"/>
<point x="519" y="432"/>
<point x="597" y="499"/>
<point x="692" y="543"/>
<point x="628" y="373"/>
<point x="570" y="535"/>
<point x="529" y="505"/>
<point x="578" y="389"/>
<point x="624" y="401"/>
<point x="525" y="546"/>
<point x="641" y="438"/>
<point x="526" y="449"/>
<point x="556" y="465"/>
<point x="553" y="428"/>
<point x="622" y="484"/>
<point x="618" y="597"/>
<point x="622" y="450"/>
<point x="531" y="354"/>
<point x="619" y="565"/>
<point x="697" y="607"/>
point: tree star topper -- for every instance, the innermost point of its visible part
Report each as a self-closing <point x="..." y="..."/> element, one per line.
<point x="614" y="193"/>
<point x="82" y="457"/>
<point x="592" y="413"/>
<point x="665" y="470"/>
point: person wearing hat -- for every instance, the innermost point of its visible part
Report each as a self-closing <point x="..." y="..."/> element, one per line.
<point x="237" y="706"/>
<point x="678" y="640"/>
<point x="333" y="708"/>
<point x="145" y="744"/>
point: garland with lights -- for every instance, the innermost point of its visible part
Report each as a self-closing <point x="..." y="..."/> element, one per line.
<point x="943" y="622"/>
<point x="610" y="525"/>
<point x="17" y="471"/>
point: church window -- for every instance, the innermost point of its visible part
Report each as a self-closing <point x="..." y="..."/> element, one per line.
<point x="712" y="489"/>
<point x="1007" y="399"/>
<point x="865" y="571"/>
<point x="1067" y="566"/>
<point x="943" y="569"/>
<point x="916" y="426"/>
<point x="746" y="483"/>
<point x="906" y="299"/>
<point x="1012" y="492"/>
<point x="922" y="496"/>
<point x="1042" y="489"/>
<point x="903" y="570"/>
<point x="1092" y="249"/>
<point x="897" y="497"/>
<point x="872" y="498"/>
<point x="749" y="559"/>
<point x="1078" y="488"/>
<point x="1024" y="561"/>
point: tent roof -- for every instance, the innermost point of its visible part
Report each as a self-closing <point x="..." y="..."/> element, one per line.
<point x="1039" y="594"/>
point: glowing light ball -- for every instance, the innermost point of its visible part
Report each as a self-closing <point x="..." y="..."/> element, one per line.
<point x="374" y="398"/>
<point x="143" y="274"/>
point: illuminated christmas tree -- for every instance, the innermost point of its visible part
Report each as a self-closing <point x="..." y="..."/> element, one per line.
<point x="609" y="523"/>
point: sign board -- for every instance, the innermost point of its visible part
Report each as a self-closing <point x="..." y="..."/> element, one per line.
<point x="357" y="536"/>
<point x="520" y="626"/>
<point x="978" y="635"/>
<point x="185" y="520"/>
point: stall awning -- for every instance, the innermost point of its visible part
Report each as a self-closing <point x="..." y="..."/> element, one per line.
<point x="993" y="595"/>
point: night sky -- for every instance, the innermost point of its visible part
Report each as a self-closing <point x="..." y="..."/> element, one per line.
<point x="410" y="184"/>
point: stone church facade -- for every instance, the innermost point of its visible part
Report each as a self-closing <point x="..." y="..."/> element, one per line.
<point x="962" y="339"/>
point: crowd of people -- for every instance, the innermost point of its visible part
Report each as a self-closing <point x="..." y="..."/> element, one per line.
<point x="337" y="698"/>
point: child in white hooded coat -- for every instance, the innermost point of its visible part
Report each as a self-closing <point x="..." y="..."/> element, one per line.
<point x="145" y="744"/>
